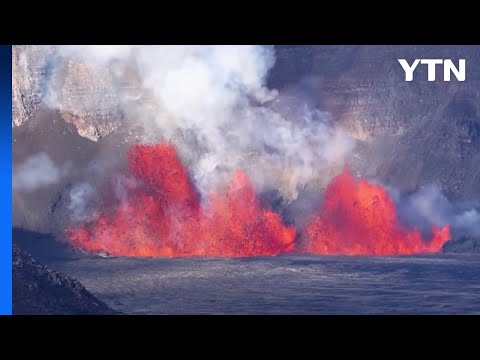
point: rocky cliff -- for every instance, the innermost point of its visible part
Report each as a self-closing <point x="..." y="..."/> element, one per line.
<point x="86" y="96"/>
<point x="409" y="133"/>
<point x="38" y="289"/>
<point x="30" y="72"/>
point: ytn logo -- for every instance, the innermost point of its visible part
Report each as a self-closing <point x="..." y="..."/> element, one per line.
<point x="448" y="67"/>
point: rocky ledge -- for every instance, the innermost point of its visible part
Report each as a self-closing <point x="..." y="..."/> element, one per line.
<point x="38" y="289"/>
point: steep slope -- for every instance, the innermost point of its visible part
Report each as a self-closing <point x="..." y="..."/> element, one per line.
<point x="410" y="133"/>
<point x="40" y="290"/>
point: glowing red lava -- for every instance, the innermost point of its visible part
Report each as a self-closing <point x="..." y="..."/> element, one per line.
<point x="164" y="217"/>
<point x="358" y="218"/>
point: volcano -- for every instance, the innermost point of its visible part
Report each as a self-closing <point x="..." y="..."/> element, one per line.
<point x="359" y="218"/>
<point x="164" y="217"/>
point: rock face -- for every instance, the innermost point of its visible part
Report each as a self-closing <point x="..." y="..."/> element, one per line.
<point x="443" y="150"/>
<point x="90" y="101"/>
<point x="40" y="290"/>
<point x="410" y="133"/>
<point x="87" y="96"/>
<point x="30" y="72"/>
<point x="364" y="87"/>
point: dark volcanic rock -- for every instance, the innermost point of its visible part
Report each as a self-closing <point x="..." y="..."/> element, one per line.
<point x="466" y="244"/>
<point x="40" y="290"/>
<point x="409" y="134"/>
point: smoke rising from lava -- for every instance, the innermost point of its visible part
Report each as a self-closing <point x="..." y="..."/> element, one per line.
<point x="35" y="172"/>
<point x="212" y="102"/>
<point x="429" y="206"/>
<point x="163" y="217"/>
<point x="233" y="138"/>
<point x="81" y="196"/>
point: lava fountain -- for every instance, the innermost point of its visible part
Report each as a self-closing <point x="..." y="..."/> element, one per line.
<point x="359" y="218"/>
<point x="163" y="217"/>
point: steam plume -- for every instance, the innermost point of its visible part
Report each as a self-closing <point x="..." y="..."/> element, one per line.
<point x="81" y="199"/>
<point x="35" y="172"/>
<point x="429" y="206"/>
<point x="212" y="102"/>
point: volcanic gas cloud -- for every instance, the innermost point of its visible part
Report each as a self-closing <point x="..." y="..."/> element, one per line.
<point x="164" y="216"/>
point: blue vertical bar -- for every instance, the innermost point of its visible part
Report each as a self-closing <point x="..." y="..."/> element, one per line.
<point x="6" y="180"/>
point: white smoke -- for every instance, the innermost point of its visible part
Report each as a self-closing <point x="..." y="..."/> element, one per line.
<point x="212" y="101"/>
<point x="81" y="201"/>
<point x="429" y="206"/>
<point x="35" y="172"/>
<point x="122" y="185"/>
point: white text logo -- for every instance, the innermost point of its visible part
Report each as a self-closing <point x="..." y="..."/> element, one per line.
<point x="448" y="68"/>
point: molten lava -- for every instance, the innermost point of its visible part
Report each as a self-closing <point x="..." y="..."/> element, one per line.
<point x="163" y="217"/>
<point x="358" y="218"/>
